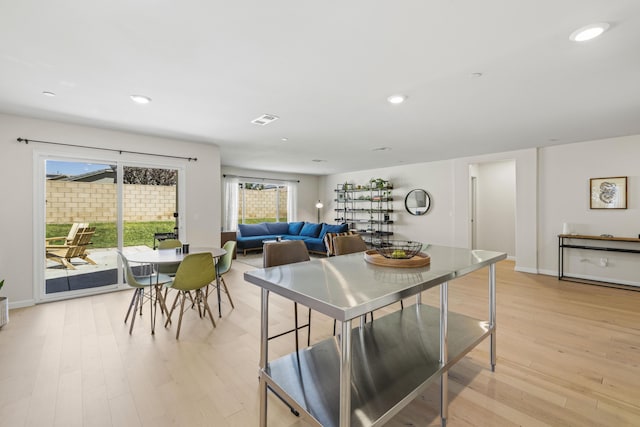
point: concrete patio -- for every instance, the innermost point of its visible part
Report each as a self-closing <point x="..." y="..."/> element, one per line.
<point x="85" y="275"/>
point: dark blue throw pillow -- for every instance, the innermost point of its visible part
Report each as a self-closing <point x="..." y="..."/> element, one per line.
<point x="310" y="229"/>
<point x="295" y="227"/>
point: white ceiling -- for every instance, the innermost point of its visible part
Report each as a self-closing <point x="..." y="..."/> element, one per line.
<point x="326" y="68"/>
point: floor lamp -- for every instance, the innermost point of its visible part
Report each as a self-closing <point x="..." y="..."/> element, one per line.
<point x="319" y="206"/>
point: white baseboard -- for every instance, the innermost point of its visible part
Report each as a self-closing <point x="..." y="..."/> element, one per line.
<point x="21" y="304"/>
<point x="526" y="270"/>
<point x="549" y="272"/>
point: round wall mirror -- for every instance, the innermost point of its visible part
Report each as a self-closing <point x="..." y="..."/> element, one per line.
<point x="417" y="202"/>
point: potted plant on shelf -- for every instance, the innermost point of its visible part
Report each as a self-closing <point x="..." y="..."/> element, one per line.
<point x="4" y="308"/>
<point x="379" y="183"/>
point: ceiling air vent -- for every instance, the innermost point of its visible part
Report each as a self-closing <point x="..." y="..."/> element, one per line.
<point x="264" y="119"/>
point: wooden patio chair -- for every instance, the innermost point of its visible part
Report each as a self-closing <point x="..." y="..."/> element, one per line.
<point x="69" y="237"/>
<point x="76" y="249"/>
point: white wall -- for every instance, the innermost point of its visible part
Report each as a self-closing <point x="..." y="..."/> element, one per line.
<point x="449" y="220"/>
<point x="565" y="171"/>
<point x="307" y="189"/>
<point x="496" y="206"/>
<point x="17" y="176"/>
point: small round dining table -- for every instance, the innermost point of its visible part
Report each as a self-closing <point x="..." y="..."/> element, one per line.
<point x="158" y="257"/>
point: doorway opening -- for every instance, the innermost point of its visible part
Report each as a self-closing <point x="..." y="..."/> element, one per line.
<point x="492" y="194"/>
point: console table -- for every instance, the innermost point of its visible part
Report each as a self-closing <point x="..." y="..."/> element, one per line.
<point x="366" y="374"/>
<point x="563" y="244"/>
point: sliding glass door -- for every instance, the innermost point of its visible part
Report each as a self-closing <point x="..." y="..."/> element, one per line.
<point x="81" y="216"/>
<point x="150" y="202"/>
<point x="91" y="210"/>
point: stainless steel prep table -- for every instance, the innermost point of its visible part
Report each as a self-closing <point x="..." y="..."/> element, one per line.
<point x="366" y="375"/>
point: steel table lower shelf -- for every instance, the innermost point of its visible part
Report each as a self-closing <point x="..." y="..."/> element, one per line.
<point x="383" y="379"/>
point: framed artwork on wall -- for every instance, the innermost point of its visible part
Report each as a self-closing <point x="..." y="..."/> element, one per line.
<point x="608" y="193"/>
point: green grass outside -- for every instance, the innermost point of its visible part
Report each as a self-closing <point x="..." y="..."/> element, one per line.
<point x="135" y="233"/>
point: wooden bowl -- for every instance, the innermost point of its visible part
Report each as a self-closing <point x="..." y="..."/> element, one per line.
<point x="419" y="260"/>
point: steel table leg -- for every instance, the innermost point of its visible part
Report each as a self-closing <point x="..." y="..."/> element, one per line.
<point x="492" y="314"/>
<point x="345" y="374"/>
<point x="264" y="354"/>
<point x="444" y="352"/>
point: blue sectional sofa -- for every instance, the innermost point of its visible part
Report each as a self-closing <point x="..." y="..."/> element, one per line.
<point x="251" y="236"/>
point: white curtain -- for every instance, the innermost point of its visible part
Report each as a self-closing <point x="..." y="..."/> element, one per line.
<point x="292" y="201"/>
<point x="230" y="204"/>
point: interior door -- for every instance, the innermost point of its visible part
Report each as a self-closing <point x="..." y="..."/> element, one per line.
<point x="474" y="211"/>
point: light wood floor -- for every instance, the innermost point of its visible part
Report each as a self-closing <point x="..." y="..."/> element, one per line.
<point x="568" y="355"/>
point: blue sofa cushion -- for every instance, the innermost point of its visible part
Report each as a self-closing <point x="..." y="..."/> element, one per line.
<point x="332" y="228"/>
<point x="310" y="229"/>
<point x="295" y="227"/>
<point x="278" y="228"/>
<point x="248" y="230"/>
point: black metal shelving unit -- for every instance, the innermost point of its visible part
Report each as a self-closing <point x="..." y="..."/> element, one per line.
<point x="367" y="209"/>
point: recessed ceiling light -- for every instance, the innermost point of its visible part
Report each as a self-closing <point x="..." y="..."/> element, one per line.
<point x="382" y="149"/>
<point x="318" y="161"/>
<point x="47" y="93"/>
<point x="397" y="99"/>
<point x="589" y="32"/>
<point x="476" y="74"/>
<point x="140" y="99"/>
<point x="284" y="139"/>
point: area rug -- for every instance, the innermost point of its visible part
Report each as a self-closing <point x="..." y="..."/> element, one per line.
<point x="253" y="259"/>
